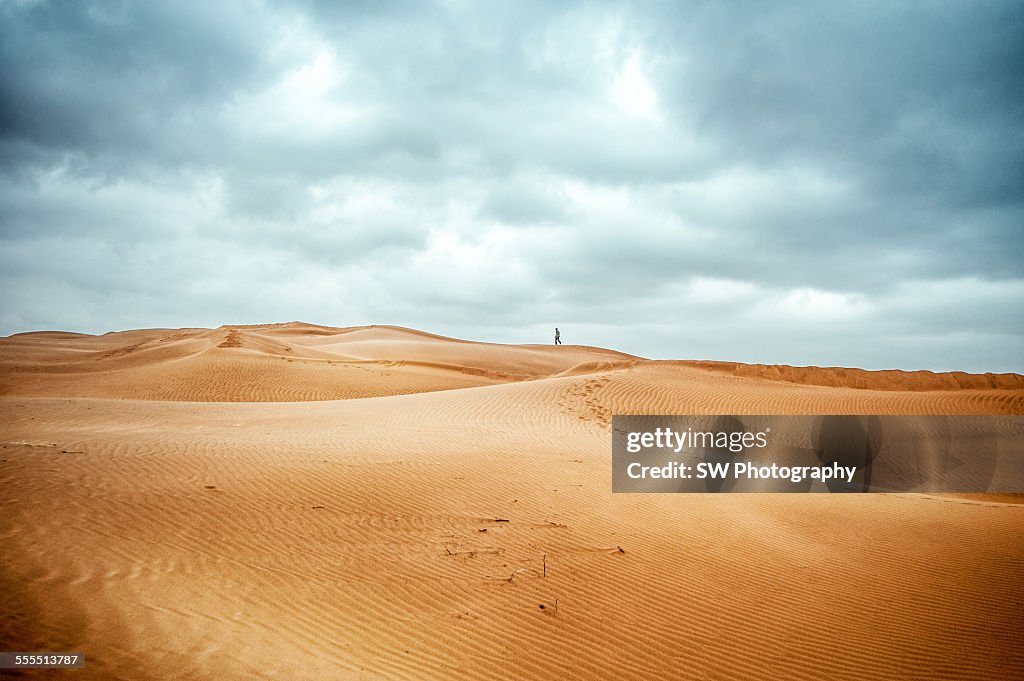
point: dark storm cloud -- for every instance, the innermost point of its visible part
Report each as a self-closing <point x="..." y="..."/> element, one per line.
<point x="106" y="78"/>
<point x="814" y="182"/>
<point x="913" y="95"/>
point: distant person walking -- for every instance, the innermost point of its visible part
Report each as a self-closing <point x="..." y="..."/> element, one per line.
<point x="558" y="337"/>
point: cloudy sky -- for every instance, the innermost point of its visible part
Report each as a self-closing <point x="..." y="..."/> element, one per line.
<point x="804" y="183"/>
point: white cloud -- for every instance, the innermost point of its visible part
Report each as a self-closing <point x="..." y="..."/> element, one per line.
<point x="815" y="305"/>
<point x="632" y="92"/>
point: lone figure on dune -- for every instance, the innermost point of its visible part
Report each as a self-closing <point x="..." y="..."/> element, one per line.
<point x="558" y="337"/>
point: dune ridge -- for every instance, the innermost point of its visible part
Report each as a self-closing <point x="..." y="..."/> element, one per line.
<point x="268" y="363"/>
<point x="886" y="379"/>
<point x="190" y="504"/>
<point x="243" y="363"/>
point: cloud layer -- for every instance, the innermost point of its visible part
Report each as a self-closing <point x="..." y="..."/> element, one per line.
<point x="803" y="183"/>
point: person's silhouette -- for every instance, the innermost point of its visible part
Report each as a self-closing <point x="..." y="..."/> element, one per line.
<point x="558" y="337"/>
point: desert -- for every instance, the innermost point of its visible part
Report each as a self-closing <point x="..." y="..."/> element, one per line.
<point x="305" y="502"/>
<point x="517" y="235"/>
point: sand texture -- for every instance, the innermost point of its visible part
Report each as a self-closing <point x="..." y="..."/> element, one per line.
<point x="302" y="502"/>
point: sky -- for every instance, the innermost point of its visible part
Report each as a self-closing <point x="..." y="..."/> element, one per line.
<point x="805" y="183"/>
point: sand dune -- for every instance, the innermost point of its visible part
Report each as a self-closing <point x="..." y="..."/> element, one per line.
<point x="210" y="504"/>
<point x="272" y="363"/>
<point x="842" y="377"/>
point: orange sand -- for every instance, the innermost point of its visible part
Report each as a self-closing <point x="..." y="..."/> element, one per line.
<point x="213" y="504"/>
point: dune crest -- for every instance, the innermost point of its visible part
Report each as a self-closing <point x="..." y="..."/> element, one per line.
<point x="296" y="361"/>
<point x="886" y="379"/>
<point x="268" y="363"/>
